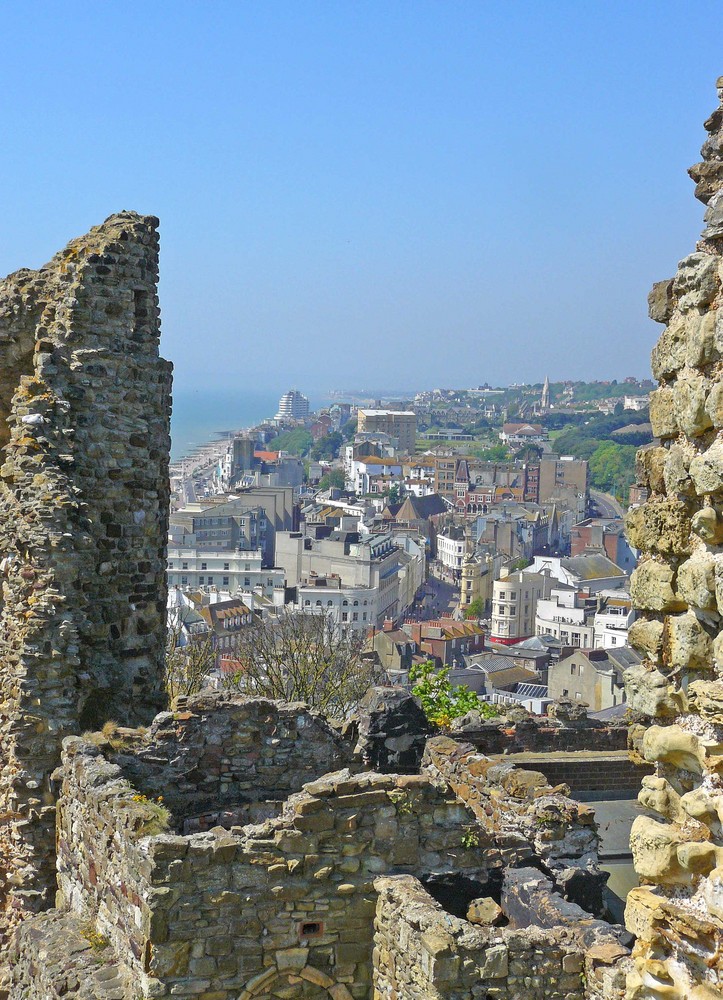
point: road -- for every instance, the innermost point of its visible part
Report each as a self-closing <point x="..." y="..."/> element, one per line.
<point x="607" y="506"/>
<point x="440" y="598"/>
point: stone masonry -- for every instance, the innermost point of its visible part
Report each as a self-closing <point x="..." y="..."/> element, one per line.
<point x="202" y="858"/>
<point x="84" y="424"/>
<point x="677" y="912"/>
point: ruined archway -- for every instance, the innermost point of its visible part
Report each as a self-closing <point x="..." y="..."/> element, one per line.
<point x="291" y="979"/>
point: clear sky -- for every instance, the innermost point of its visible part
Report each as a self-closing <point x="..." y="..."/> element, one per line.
<point x="370" y="193"/>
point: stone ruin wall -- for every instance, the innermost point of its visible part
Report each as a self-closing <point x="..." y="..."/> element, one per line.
<point x="677" y="912"/>
<point x="147" y="909"/>
<point x="84" y="494"/>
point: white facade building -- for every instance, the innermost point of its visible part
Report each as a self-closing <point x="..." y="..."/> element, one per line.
<point x="350" y="607"/>
<point x="293" y="406"/>
<point x="451" y="551"/>
<point x="613" y="620"/>
<point x="235" y="570"/>
<point x="514" y="605"/>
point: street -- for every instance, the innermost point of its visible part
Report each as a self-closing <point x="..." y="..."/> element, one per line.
<point x="605" y="505"/>
<point x="440" y="598"/>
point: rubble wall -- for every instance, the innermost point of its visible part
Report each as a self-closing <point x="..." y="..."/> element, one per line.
<point x="527" y="817"/>
<point x="214" y="752"/>
<point x="84" y="423"/>
<point x="677" y="912"/>
<point x="232" y="913"/>
<point x="425" y="953"/>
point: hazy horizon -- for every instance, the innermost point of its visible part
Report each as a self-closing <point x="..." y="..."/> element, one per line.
<point x="439" y="194"/>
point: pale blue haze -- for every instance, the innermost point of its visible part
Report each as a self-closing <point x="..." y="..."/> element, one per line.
<point x="414" y="193"/>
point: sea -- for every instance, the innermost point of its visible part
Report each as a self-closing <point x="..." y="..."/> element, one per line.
<point x="202" y="415"/>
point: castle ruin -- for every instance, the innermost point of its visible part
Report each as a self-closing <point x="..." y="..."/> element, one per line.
<point x="84" y="427"/>
<point x="242" y="848"/>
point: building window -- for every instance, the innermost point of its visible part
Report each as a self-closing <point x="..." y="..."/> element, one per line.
<point x="345" y="604"/>
<point x="170" y="565"/>
<point x="225" y="581"/>
<point x="355" y="616"/>
<point x="210" y="579"/>
<point x="184" y="565"/>
<point x="247" y="581"/>
<point x="201" y="579"/>
<point x="364" y="616"/>
<point x="227" y="565"/>
<point x="573" y="669"/>
<point x="565" y="692"/>
<point x="184" y="580"/>
<point x="329" y="604"/>
<point x="318" y="604"/>
<point x="345" y="616"/>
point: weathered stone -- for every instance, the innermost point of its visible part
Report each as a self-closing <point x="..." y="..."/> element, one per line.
<point x="708" y="525"/>
<point x="660" y="301"/>
<point x="650" y="467"/>
<point x="660" y="525"/>
<point x="646" y="635"/>
<point x="689" y="398"/>
<point x="485" y="911"/>
<point x="654" y="846"/>
<point x="676" y="475"/>
<point x="662" y="413"/>
<point x="706" y="470"/>
<point x="697" y="581"/>
<point x="84" y="423"/>
<point x="651" y="693"/>
<point x="696" y="281"/>
<point x="651" y="587"/>
<point x="686" y="644"/>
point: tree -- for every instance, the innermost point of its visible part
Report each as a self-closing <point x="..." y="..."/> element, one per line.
<point x="393" y="495"/>
<point x="334" y="479"/>
<point x="443" y="701"/>
<point x="475" y="609"/>
<point x="190" y="652"/>
<point x="296" y="442"/>
<point x="304" y="656"/>
<point x="328" y="446"/>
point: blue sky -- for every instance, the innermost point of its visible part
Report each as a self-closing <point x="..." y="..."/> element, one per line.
<point x="370" y="194"/>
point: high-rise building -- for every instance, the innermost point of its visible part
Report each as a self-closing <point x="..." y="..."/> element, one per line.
<point x="395" y="423"/>
<point x="293" y="406"/>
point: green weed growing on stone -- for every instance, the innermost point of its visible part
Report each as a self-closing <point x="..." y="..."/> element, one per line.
<point x="98" y="942"/>
<point x="470" y="838"/>
<point x="402" y="803"/>
<point x="443" y="701"/>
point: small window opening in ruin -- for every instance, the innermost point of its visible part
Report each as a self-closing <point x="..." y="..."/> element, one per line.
<point x="311" y="929"/>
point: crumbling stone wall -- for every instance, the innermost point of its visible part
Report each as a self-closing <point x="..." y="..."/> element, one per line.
<point x="677" y="913"/>
<point x="229" y="913"/>
<point x="421" y="951"/>
<point x="214" y="757"/>
<point x="528" y="818"/>
<point x="84" y="422"/>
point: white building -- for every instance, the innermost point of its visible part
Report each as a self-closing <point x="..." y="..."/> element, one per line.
<point x="636" y="402"/>
<point x="293" y="406"/>
<point x="592" y="573"/>
<point x="193" y="568"/>
<point x="514" y="605"/>
<point x="350" y="607"/>
<point x="613" y="619"/>
<point x="566" y="616"/>
<point x="451" y="547"/>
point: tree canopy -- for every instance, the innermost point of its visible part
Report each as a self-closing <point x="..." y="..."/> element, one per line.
<point x="303" y="656"/>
